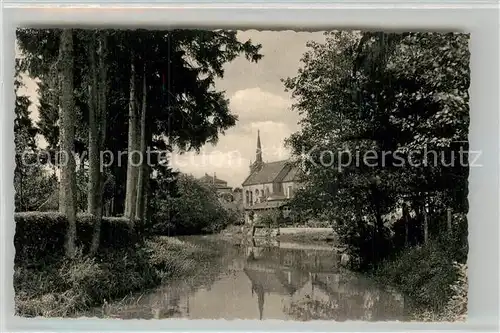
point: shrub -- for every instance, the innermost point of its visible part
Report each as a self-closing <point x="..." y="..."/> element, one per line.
<point x="116" y="232"/>
<point x="172" y="257"/>
<point x="364" y="244"/>
<point x="194" y="208"/>
<point x="40" y="236"/>
<point x="270" y="218"/>
<point x="68" y="287"/>
<point x="456" y="307"/>
<point x="318" y="224"/>
<point x="425" y="273"/>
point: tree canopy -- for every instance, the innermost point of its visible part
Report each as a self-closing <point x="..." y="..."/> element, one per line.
<point x="376" y="108"/>
<point x="184" y="108"/>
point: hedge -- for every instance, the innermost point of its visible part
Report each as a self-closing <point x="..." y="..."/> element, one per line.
<point x="42" y="235"/>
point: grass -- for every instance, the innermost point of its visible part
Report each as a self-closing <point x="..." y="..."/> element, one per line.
<point x="63" y="288"/>
<point x="309" y="238"/>
<point x="436" y="285"/>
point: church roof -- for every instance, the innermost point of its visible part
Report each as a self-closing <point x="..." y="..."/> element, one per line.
<point x="268" y="173"/>
<point x="293" y="175"/>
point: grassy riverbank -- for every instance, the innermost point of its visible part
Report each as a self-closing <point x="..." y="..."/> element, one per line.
<point x="436" y="285"/>
<point x="304" y="235"/>
<point x="307" y="235"/>
<point x="64" y="288"/>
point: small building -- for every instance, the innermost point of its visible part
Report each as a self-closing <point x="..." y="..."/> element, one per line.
<point x="268" y="186"/>
<point x="220" y="185"/>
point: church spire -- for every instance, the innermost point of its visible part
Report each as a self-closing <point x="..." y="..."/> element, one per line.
<point x="258" y="153"/>
<point x="257" y="165"/>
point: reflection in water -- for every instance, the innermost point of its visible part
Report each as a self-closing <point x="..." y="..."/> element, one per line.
<point x="269" y="282"/>
<point x="260" y="297"/>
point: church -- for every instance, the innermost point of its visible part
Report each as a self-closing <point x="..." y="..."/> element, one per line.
<point x="268" y="186"/>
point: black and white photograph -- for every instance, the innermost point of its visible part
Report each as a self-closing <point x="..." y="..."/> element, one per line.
<point x="242" y="174"/>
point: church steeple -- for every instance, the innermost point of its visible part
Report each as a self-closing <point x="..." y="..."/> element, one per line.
<point x="257" y="165"/>
<point x="258" y="153"/>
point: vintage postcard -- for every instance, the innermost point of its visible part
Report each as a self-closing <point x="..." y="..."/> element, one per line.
<point x="241" y="174"/>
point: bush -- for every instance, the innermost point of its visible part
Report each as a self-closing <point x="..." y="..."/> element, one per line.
<point x="456" y="307"/>
<point x="318" y="224"/>
<point x="270" y="218"/>
<point x="116" y="232"/>
<point x="194" y="208"/>
<point x="424" y="273"/>
<point x="66" y="287"/>
<point x="363" y="244"/>
<point x="172" y="257"/>
<point x="70" y="287"/>
<point x="40" y="236"/>
<point x="235" y="214"/>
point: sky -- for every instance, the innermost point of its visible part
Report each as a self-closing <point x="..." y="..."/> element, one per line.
<point x="257" y="96"/>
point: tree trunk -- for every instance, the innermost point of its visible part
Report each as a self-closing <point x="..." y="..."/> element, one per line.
<point x="406" y="218"/>
<point x="146" y="194"/>
<point x="448" y="219"/>
<point x="426" y="222"/>
<point x="22" y="202"/>
<point x="103" y="89"/>
<point x="379" y="223"/>
<point x="93" y="185"/>
<point x="141" y="179"/>
<point x="419" y="210"/>
<point x="131" y="191"/>
<point x="102" y="121"/>
<point x="68" y="177"/>
<point x="147" y="174"/>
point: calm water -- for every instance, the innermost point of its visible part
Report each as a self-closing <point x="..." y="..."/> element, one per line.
<point x="285" y="281"/>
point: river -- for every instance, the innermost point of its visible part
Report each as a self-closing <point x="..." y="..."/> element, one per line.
<point x="286" y="281"/>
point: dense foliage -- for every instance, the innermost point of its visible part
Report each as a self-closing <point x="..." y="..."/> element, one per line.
<point x="189" y="207"/>
<point x="384" y="131"/>
<point x="75" y="287"/>
<point x="184" y="109"/>
<point x="103" y="93"/>
<point x="33" y="184"/>
<point x="384" y="121"/>
<point x="41" y="235"/>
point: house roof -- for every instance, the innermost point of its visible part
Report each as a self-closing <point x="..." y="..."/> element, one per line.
<point x="222" y="187"/>
<point x="268" y="173"/>
<point x="213" y="180"/>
